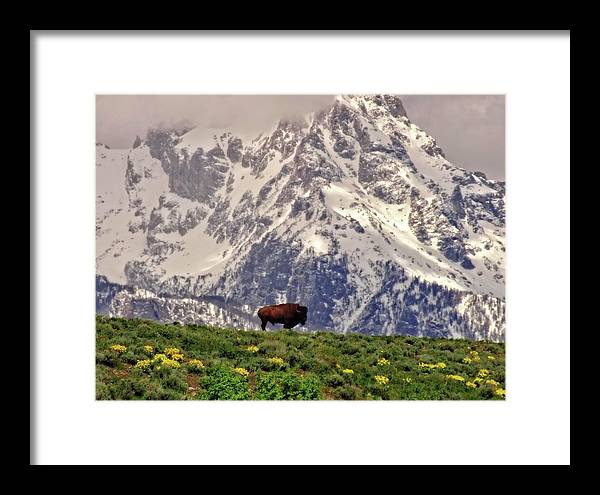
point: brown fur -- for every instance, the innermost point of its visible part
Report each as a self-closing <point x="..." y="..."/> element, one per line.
<point x="290" y="314"/>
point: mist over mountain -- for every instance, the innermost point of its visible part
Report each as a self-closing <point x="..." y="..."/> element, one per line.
<point x="354" y="212"/>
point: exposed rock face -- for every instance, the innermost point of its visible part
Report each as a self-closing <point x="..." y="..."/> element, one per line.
<point x="423" y="308"/>
<point x="200" y="176"/>
<point x="457" y="203"/>
<point x="234" y="150"/>
<point x="105" y="293"/>
<point x="355" y="213"/>
<point x="129" y="302"/>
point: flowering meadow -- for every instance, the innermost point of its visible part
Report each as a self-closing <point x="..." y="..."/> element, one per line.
<point x="139" y="359"/>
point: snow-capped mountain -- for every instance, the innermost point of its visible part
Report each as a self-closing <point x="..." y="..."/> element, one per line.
<point x="354" y="212"/>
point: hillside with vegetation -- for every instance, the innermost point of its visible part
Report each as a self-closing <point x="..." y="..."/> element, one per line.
<point x="140" y="359"/>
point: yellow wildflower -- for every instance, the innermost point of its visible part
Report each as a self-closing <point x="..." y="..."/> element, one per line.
<point x="143" y="364"/>
<point x="478" y="380"/>
<point x="383" y="362"/>
<point x="174" y="353"/>
<point x="432" y="366"/>
<point x="348" y="371"/>
<point x="276" y="360"/>
<point x="241" y="371"/>
<point x="491" y="358"/>
<point x="483" y="373"/>
<point x="252" y="348"/>
<point x="493" y="383"/>
<point x="471" y="385"/>
<point x="500" y="391"/>
<point x="163" y="359"/>
<point x="474" y="353"/>
<point x="467" y="360"/>
<point x="196" y="363"/>
<point x="118" y="348"/>
<point x="149" y="349"/>
<point x="382" y="380"/>
<point x="476" y="359"/>
<point x="458" y="378"/>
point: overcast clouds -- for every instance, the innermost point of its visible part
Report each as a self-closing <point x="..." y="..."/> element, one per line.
<point x="470" y="129"/>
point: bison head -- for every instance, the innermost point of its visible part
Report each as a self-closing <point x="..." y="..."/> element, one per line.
<point x="302" y="311"/>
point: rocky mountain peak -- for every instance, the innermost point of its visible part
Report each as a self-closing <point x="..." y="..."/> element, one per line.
<point x="355" y="211"/>
<point x="376" y="104"/>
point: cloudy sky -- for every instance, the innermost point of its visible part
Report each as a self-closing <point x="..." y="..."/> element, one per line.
<point x="470" y="129"/>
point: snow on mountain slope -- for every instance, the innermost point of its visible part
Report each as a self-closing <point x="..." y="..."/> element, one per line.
<point x="327" y="212"/>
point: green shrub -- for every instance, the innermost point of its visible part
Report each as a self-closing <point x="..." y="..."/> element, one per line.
<point x="102" y="391"/>
<point x="221" y="383"/>
<point x="348" y="392"/>
<point x="312" y="366"/>
<point x="279" y="385"/>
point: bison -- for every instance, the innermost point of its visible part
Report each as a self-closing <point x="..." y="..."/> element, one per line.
<point x="290" y="314"/>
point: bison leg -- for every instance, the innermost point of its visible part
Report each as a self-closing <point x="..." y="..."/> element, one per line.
<point x="263" y="324"/>
<point x="289" y="325"/>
